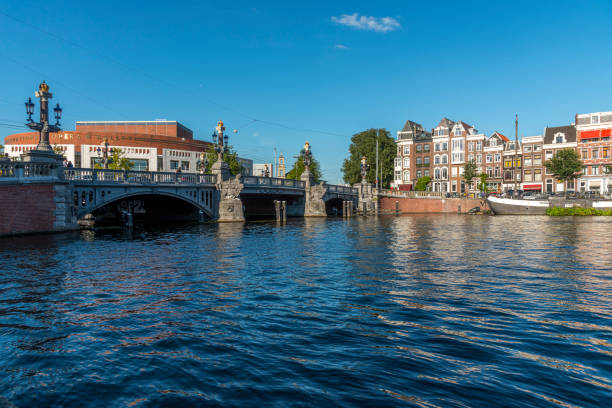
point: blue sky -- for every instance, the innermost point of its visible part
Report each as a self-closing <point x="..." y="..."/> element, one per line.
<point x="336" y="67"/>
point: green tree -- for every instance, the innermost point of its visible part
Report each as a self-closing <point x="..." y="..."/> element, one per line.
<point x="229" y="156"/>
<point x="422" y="183"/>
<point x="565" y="165"/>
<point x="470" y="172"/>
<point x="364" y="144"/>
<point x="298" y="168"/>
<point x="117" y="161"/>
<point x="483" y="183"/>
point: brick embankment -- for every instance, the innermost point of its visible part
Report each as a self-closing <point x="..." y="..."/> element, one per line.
<point x="33" y="208"/>
<point x="405" y="205"/>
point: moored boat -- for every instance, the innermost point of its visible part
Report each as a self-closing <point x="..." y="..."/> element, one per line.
<point x="511" y="206"/>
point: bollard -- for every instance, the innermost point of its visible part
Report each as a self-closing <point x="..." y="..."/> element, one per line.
<point x="284" y="207"/>
<point x="277" y="210"/>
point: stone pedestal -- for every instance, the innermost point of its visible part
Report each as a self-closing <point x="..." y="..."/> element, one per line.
<point x="314" y="206"/>
<point x="367" y="204"/>
<point x="230" y="205"/>
<point x="222" y="170"/>
<point x="49" y="162"/>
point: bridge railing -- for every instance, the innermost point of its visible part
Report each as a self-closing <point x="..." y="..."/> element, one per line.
<point x="408" y="194"/>
<point x="272" y="181"/>
<point x="137" y="177"/>
<point x="332" y="188"/>
<point x="18" y="169"/>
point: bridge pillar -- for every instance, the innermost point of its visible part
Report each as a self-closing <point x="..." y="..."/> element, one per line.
<point x="314" y="206"/>
<point x="366" y="202"/>
<point x="230" y="205"/>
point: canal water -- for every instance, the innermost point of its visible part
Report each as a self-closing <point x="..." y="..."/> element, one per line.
<point x="424" y="311"/>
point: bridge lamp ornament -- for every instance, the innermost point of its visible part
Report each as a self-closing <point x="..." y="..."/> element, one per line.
<point x="306" y="155"/>
<point x="220" y="140"/>
<point x="364" y="169"/>
<point x="43" y="127"/>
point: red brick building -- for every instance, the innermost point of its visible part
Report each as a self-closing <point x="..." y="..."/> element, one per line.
<point x="159" y="145"/>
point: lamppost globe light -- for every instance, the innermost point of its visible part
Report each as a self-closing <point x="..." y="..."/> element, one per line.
<point x="58" y="113"/>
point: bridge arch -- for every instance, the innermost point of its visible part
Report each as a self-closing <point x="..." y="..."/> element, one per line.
<point x="203" y="200"/>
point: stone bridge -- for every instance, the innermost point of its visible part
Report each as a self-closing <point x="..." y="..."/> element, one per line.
<point x="80" y="192"/>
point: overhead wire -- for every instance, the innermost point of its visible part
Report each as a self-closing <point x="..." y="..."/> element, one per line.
<point x="167" y="83"/>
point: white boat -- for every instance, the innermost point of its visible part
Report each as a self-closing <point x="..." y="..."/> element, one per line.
<point x="511" y="206"/>
<point x="519" y="206"/>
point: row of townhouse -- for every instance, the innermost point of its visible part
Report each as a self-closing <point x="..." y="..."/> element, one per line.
<point x="442" y="154"/>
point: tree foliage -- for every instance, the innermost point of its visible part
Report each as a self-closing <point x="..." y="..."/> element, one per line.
<point x="565" y="165"/>
<point x="470" y="172"/>
<point x="422" y="183"/>
<point x="229" y="156"/>
<point x="117" y="161"/>
<point x="298" y="168"/>
<point x="483" y="183"/>
<point x="364" y="144"/>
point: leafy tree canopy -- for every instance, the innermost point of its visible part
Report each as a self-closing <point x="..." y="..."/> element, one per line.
<point x="117" y="161"/>
<point x="230" y="157"/>
<point x="298" y="168"/>
<point x="364" y="144"/>
<point x="470" y="172"/>
<point x="483" y="183"/>
<point x="565" y="165"/>
<point x="422" y="183"/>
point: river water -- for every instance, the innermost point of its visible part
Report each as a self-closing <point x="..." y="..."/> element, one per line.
<point x="426" y="310"/>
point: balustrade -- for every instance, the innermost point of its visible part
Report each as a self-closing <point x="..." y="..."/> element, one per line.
<point x="137" y="177"/>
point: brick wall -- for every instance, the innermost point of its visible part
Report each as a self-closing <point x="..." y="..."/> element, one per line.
<point x="428" y="205"/>
<point x="26" y="208"/>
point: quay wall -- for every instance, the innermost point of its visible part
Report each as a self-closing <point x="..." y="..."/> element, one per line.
<point x="410" y="205"/>
<point x="27" y="208"/>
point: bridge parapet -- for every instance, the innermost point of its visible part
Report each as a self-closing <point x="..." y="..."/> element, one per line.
<point x="272" y="181"/>
<point x="136" y="177"/>
<point x="332" y="188"/>
<point x="16" y="171"/>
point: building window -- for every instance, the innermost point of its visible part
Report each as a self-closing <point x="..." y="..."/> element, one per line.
<point x="437" y="147"/>
<point x="508" y="163"/>
<point x="406" y="162"/>
<point x="444" y="146"/>
<point x="436" y="159"/>
<point x="489" y="158"/>
<point x="426" y="173"/>
<point x="174" y="164"/>
<point x="479" y="146"/>
<point x="470" y="157"/>
<point x="406" y="150"/>
<point x="560" y="138"/>
<point x="497" y="157"/>
<point x="497" y="172"/>
<point x="479" y="159"/>
<point x="436" y="173"/>
<point x="549" y="154"/>
<point x="527" y="149"/>
<point x="594" y="119"/>
<point x="444" y="159"/>
<point x="444" y="173"/>
<point x="537" y="159"/>
<point x="398" y="175"/>
<point x="426" y="161"/>
<point x="537" y="148"/>
<point x="471" y="147"/>
<point x="418" y="161"/>
<point x="398" y="162"/>
<point x="493" y="141"/>
<point x="418" y="148"/>
<point x="418" y="174"/>
<point x="454" y="186"/>
<point x="489" y="172"/>
<point x="594" y="170"/>
<point x="454" y="171"/>
<point x="584" y="154"/>
<point x="537" y="175"/>
<point x="185" y="165"/>
<point x="406" y="176"/>
<point x="584" y="170"/>
<point x="595" y="154"/>
<point x="527" y="175"/>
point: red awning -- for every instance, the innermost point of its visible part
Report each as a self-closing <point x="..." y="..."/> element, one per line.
<point x="531" y="187"/>
<point x="589" y="134"/>
<point x="606" y="132"/>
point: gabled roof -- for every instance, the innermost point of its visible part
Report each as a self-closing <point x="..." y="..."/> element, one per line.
<point x="411" y="126"/>
<point x="502" y="137"/>
<point x="465" y="126"/>
<point x="445" y="122"/>
<point x="569" y="131"/>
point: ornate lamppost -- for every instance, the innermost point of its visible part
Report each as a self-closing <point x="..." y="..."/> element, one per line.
<point x="43" y="127"/>
<point x="364" y="169"/>
<point x="220" y="167"/>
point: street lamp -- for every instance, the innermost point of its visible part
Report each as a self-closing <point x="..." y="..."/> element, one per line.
<point x="220" y="140"/>
<point x="43" y="127"/>
<point x="364" y="169"/>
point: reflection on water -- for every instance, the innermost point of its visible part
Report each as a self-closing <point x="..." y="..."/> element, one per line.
<point x="425" y="310"/>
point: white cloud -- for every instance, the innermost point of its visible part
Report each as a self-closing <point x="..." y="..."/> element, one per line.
<point x="341" y="47"/>
<point x="381" y="25"/>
